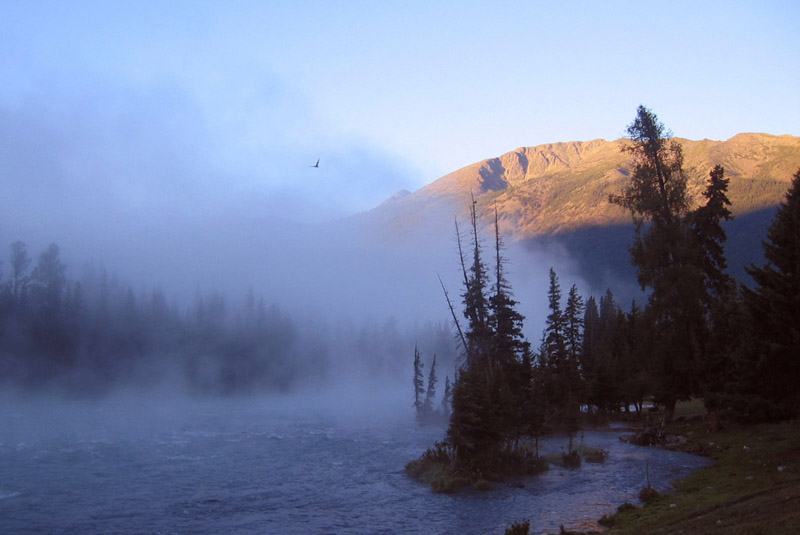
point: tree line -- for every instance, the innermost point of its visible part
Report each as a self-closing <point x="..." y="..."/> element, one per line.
<point x="91" y="335"/>
<point x="700" y="334"/>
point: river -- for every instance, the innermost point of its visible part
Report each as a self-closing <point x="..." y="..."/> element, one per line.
<point x="142" y="465"/>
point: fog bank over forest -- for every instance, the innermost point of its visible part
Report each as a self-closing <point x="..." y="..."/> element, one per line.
<point x="178" y="245"/>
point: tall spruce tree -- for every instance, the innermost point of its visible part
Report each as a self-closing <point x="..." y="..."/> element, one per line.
<point x="591" y="334"/>
<point x="706" y="222"/>
<point x="487" y="413"/>
<point x="773" y="307"/>
<point x="476" y="304"/>
<point x="664" y="254"/>
<point x="717" y="292"/>
<point x="506" y="322"/>
<point x="554" y="346"/>
<point x="573" y="319"/>
<point x="561" y="372"/>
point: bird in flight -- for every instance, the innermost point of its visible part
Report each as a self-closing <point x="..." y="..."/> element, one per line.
<point x="316" y="164"/>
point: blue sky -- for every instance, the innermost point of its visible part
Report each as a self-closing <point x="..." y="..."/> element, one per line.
<point x="228" y="103"/>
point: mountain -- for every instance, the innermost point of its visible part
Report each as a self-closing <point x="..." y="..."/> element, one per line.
<point x="559" y="192"/>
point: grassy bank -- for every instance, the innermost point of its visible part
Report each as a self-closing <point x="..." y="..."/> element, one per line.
<point x="752" y="488"/>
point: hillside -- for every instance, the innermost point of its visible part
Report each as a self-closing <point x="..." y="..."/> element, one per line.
<point x="559" y="192"/>
<point x="558" y="188"/>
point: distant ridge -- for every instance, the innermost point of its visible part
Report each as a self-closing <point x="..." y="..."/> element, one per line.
<point x="558" y="188"/>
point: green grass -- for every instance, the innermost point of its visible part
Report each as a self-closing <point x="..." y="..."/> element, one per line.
<point x="752" y="488"/>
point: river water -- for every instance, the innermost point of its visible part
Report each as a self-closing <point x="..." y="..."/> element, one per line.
<point x="271" y="466"/>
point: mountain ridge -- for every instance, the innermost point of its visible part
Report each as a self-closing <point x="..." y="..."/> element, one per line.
<point x="557" y="188"/>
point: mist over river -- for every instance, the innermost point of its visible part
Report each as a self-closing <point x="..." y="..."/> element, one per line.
<point x="332" y="465"/>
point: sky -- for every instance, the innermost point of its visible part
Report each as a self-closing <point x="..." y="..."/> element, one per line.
<point x="127" y="119"/>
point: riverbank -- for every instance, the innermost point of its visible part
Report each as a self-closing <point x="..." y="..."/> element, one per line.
<point x="753" y="487"/>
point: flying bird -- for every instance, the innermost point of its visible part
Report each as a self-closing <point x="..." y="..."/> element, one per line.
<point x="316" y="164"/>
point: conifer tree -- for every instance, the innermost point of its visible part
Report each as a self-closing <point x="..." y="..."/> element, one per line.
<point x="706" y="222"/>
<point x="447" y="398"/>
<point x="476" y="305"/>
<point x="773" y="307"/>
<point x="634" y="381"/>
<point x="717" y="292"/>
<point x="475" y="433"/>
<point x="554" y="345"/>
<point x="591" y="339"/>
<point x="561" y="372"/>
<point x="506" y="322"/>
<point x="573" y="319"/>
<point x="419" y="387"/>
<point x="19" y="279"/>
<point x="664" y="254"/>
<point x="486" y="402"/>
<point x="430" y="395"/>
<point x="604" y="386"/>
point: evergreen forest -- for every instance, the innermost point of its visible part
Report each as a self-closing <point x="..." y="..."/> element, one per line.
<point x="701" y="334"/>
<point x="94" y="335"/>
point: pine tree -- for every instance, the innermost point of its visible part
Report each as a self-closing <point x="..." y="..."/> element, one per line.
<point x="773" y="308"/>
<point x="706" y="222"/>
<point x="635" y="381"/>
<point x="19" y="279"/>
<point x="717" y="295"/>
<point x="591" y="338"/>
<point x="486" y="399"/>
<point x="475" y="434"/>
<point x="554" y="346"/>
<point x="665" y="256"/>
<point x="506" y="322"/>
<point x="561" y="373"/>
<point x="430" y="395"/>
<point x="419" y="387"/>
<point x="573" y="318"/>
<point x="478" y="334"/>
<point x="447" y="398"/>
<point x="604" y="383"/>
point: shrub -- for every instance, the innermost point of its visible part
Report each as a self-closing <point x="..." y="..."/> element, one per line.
<point x="572" y="459"/>
<point x="519" y="528"/>
<point x="607" y="521"/>
<point x="439" y="453"/>
<point x="627" y="506"/>
<point x="648" y="495"/>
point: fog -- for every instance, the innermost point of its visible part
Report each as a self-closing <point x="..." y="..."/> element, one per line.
<point x="151" y="197"/>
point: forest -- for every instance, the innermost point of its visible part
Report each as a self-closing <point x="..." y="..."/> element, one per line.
<point x="90" y="336"/>
<point x="700" y="335"/>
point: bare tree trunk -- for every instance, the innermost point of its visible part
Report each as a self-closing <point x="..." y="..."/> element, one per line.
<point x="455" y="317"/>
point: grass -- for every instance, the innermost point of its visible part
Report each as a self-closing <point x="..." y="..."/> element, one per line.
<point x="752" y="488"/>
<point x="434" y="468"/>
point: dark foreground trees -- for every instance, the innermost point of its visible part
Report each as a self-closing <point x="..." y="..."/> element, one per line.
<point x="738" y="351"/>
<point x="770" y="357"/>
<point x="679" y="258"/>
<point x="696" y="337"/>
<point x="661" y="253"/>
<point x="504" y="396"/>
<point x="487" y="411"/>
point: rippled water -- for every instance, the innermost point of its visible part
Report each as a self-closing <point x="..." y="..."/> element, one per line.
<point x="264" y="467"/>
